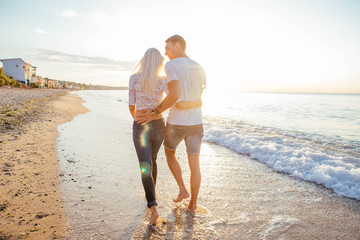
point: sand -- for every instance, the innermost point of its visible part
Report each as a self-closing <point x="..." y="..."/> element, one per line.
<point x="11" y="96"/>
<point x="87" y="186"/>
<point x="240" y="198"/>
<point x="244" y="199"/>
<point x="31" y="204"/>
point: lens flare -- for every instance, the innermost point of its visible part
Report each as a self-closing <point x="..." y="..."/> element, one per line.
<point x="143" y="136"/>
<point x="145" y="168"/>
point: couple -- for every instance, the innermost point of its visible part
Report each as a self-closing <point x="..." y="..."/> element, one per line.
<point x="183" y="83"/>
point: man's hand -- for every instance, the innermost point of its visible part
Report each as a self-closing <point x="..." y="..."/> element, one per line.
<point x="143" y="117"/>
<point x="188" y="104"/>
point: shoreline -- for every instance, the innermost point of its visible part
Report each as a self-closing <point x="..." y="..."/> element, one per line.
<point x="31" y="204"/>
<point x="81" y="180"/>
<point x="239" y="198"/>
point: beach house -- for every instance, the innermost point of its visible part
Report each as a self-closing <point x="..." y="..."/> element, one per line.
<point x="39" y="82"/>
<point x="19" y="70"/>
<point x="34" y="78"/>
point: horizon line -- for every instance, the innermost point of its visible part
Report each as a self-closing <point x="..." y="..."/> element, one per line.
<point x="348" y="93"/>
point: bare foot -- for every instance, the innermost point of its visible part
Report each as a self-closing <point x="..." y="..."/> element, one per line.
<point x="154" y="216"/>
<point x="181" y="196"/>
<point x="191" y="209"/>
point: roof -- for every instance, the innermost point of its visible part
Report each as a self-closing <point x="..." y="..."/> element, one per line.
<point x="11" y="59"/>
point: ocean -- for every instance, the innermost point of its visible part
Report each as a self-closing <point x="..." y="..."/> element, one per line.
<point x="263" y="154"/>
<point x="314" y="137"/>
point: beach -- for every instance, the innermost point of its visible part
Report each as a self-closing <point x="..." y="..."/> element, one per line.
<point x="240" y="197"/>
<point x="77" y="177"/>
<point x="31" y="206"/>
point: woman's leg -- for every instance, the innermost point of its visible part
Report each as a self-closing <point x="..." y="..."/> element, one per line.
<point x="154" y="171"/>
<point x="154" y="215"/>
<point x="143" y="146"/>
<point x="157" y="140"/>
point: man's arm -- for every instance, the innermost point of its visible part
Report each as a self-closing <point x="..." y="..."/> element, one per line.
<point x="172" y="97"/>
<point x="188" y="104"/>
<point x="169" y="100"/>
<point x="183" y="105"/>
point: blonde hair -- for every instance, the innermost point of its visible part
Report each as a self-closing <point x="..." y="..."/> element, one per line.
<point x="149" y="70"/>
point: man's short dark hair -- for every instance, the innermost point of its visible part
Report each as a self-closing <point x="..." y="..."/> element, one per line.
<point x="177" y="38"/>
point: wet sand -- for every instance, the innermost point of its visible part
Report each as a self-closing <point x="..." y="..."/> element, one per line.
<point x="247" y="200"/>
<point x="240" y="198"/>
<point x="31" y="204"/>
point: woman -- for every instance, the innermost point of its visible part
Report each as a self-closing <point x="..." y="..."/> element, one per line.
<point x="146" y="89"/>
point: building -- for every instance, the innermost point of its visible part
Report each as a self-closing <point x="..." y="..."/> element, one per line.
<point x="48" y="83"/>
<point x="39" y="83"/>
<point x="19" y="70"/>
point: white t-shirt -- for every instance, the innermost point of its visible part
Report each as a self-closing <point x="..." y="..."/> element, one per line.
<point x="192" y="81"/>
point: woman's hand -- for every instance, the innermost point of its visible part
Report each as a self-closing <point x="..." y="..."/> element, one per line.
<point x="143" y="116"/>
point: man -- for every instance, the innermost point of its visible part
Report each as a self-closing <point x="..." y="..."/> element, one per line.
<point x="186" y="81"/>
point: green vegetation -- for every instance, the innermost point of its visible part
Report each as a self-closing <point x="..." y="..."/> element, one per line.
<point x="12" y="82"/>
<point x="2" y="77"/>
<point x="52" y="83"/>
<point x="6" y="80"/>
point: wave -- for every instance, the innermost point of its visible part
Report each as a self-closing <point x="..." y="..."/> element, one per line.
<point x="335" y="165"/>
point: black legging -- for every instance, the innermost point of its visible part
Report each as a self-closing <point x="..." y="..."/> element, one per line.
<point x="147" y="140"/>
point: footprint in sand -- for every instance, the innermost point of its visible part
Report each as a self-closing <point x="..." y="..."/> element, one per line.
<point x="160" y="222"/>
<point x="201" y="210"/>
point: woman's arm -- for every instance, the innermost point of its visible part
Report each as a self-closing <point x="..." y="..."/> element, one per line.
<point x="132" y="96"/>
<point x="132" y="109"/>
<point x="188" y="104"/>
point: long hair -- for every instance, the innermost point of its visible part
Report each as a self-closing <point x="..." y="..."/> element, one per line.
<point x="149" y="70"/>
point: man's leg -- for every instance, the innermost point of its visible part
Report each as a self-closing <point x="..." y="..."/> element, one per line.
<point x="177" y="173"/>
<point x="195" y="180"/>
<point x="193" y="146"/>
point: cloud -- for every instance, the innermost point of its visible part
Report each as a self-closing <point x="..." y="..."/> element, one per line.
<point x="40" y="31"/>
<point x="69" y="13"/>
<point x="103" y="63"/>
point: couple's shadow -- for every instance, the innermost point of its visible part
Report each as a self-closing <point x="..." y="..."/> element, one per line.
<point x="179" y="224"/>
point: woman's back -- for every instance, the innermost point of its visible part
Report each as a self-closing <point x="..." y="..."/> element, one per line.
<point x="144" y="100"/>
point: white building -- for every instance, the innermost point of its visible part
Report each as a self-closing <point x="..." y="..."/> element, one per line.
<point x="34" y="78"/>
<point x="19" y="69"/>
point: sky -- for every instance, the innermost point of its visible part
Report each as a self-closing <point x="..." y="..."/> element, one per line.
<point x="251" y="46"/>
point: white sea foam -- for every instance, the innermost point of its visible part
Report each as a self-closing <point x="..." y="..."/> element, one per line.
<point x="322" y="162"/>
<point x="278" y="225"/>
<point x="334" y="163"/>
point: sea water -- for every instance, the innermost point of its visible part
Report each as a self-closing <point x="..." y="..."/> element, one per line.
<point x="314" y="137"/>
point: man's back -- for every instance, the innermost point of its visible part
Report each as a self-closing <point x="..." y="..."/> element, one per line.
<point x="192" y="81"/>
